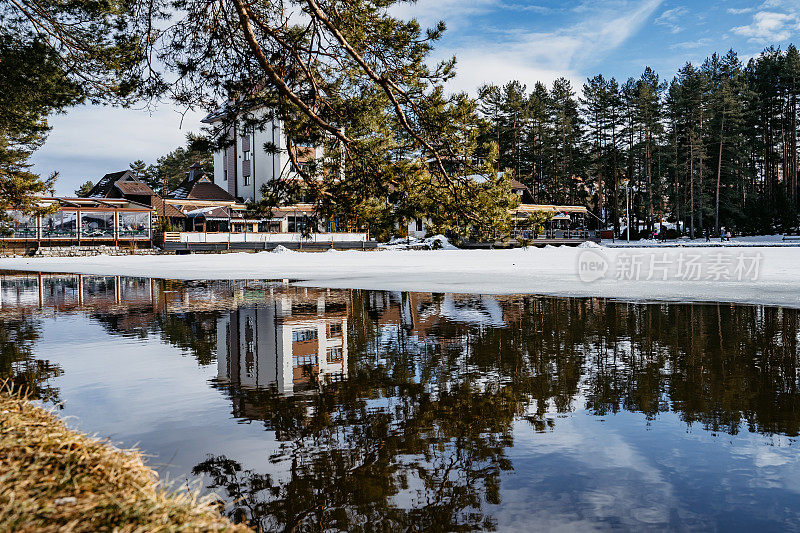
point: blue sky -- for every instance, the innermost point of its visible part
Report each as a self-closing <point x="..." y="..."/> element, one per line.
<point x="494" y="41"/>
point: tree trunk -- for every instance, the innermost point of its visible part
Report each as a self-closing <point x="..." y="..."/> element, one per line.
<point x="691" y="188"/>
<point x="719" y="174"/>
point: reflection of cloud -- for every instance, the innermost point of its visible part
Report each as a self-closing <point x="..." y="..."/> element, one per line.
<point x="585" y="474"/>
<point x="483" y="312"/>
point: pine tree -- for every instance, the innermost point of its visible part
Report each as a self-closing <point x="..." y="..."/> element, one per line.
<point x="54" y="55"/>
<point x="138" y="167"/>
<point x="565" y="134"/>
<point x="648" y="116"/>
<point x="84" y="190"/>
<point x="596" y="102"/>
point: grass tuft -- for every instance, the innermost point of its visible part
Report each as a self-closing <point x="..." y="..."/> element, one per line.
<point x="56" y="479"/>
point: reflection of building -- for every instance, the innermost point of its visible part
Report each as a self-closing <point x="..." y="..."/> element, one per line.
<point x="421" y="313"/>
<point x="21" y="293"/>
<point x="293" y="342"/>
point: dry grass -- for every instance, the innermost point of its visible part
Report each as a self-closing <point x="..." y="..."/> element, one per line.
<point x="55" y="479"/>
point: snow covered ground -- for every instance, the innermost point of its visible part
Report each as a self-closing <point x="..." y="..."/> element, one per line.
<point x="758" y="275"/>
<point x="756" y="240"/>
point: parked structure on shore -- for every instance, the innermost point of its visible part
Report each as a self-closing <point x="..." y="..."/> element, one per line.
<point x="198" y="215"/>
<point x="81" y="221"/>
<point x="532" y="223"/>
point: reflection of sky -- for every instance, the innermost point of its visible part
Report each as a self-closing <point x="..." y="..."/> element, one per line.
<point x="145" y="393"/>
<point x="616" y="471"/>
<point x="623" y="471"/>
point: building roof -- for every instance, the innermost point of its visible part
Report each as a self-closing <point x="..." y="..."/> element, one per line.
<point x="95" y="203"/>
<point x="165" y="209"/>
<point x="197" y="186"/>
<point x="518" y="185"/>
<point x="524" y="192"/>
<point x="555" y="209"/>
<point x="105" y="186"/>
<point x="214" y="213"/>
<point x="296" y="209"/>
<point x="134" y="188"/>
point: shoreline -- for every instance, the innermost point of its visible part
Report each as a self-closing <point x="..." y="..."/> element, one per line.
<point x="57" y="479"/>
<point x="536" y="271"/>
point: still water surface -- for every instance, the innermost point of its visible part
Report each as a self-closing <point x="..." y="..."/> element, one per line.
<point x="307" y="409"/>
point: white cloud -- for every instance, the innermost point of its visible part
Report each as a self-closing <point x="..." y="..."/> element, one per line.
<point x="90" y="141"/>
<point x="453" y="12"/>
<point x="543" y="56"/>
<point x="770" y="27"/>
<point x="671" y="18"/>
<point x="691" y="45"/>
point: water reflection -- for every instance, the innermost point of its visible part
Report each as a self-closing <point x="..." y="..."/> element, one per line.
<point x="413" y="411"/>
<point x="292" y="343"/>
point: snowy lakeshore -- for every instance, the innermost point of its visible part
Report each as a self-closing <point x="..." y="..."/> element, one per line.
<point x="755" y="275"/>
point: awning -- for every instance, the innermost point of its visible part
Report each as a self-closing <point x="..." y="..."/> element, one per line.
<point x="555" y="209"/>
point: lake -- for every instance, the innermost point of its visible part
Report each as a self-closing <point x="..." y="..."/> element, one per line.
<point x="318" y="409"/>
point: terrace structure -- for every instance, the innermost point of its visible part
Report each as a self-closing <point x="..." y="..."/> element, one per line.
<point x="80" y="221"/>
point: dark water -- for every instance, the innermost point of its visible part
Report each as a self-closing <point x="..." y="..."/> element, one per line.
<point x="308" y="409"/>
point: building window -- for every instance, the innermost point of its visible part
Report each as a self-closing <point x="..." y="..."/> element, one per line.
<point x="302" y="335"/>
<point x="335" y="355"/>
<point x="20" y="226"/>
<point x="419" y="224"/>
<point x="247" y="156"/>
<point x="61" y="225"/>
<point x="335" y="330"/>
<point x="225" y="174"/>
<point x="247" y="180"/>
<point x="133" y="225"/>
<point x="303" y="360"/>
<point x="298" y="224"/>
<point x="97" y="225"/>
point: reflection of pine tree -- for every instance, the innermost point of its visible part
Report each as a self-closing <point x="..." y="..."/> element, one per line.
<point x="346" y="463"/>
<point x="19" y="365"/>
<point x="452" y="391"/>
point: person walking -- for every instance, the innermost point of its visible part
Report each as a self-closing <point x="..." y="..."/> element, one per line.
<point x="722" y="235"/>
<point x="728" y="235"/>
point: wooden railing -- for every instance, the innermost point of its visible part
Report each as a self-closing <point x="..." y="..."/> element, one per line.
<point x="551" y="234"/>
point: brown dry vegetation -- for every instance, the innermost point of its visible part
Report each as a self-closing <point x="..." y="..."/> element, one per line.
<point x="56" y="479"/>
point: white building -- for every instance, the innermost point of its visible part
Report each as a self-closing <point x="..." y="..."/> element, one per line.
<point x="245" y="166"/>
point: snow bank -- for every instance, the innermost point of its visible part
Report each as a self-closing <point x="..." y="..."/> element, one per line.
<point x="546" y="271"/>
<point x="281" y="249"/>
<point x="755" y="240"/>
<point x="436" y="242"/>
